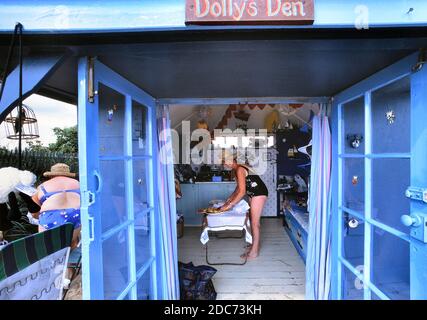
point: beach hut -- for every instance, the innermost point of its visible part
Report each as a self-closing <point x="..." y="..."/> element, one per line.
<point x="126" y="64"/>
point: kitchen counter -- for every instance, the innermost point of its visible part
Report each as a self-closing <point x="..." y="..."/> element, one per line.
<point x="213" y="182"/>
<point x="197" y="195"/>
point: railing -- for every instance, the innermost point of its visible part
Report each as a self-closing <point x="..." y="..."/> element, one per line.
<point x="37" y="162"/>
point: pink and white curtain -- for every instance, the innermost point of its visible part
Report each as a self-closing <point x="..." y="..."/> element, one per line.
<point x="167" y="205"/>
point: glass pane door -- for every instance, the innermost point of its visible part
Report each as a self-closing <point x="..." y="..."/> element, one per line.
<point x="376" y="158"/>
<point x="119" y="235"/>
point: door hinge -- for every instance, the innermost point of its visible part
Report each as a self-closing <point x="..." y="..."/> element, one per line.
<point x="422" y="59"/>
<point x="91" y="79"/>
<point x="416" y="193"/>
<point x="88" y="198"/>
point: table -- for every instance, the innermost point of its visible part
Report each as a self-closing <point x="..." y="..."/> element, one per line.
<point x="226" y="221"/>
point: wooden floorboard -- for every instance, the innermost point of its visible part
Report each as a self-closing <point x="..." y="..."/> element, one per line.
<point x="277" y="274"/>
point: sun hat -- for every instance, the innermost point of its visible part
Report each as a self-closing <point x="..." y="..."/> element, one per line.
<point x="59" y="169"/>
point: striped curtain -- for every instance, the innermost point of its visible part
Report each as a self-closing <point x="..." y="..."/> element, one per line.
<point x="318" y="263"/>
<point x="167" y="205"/>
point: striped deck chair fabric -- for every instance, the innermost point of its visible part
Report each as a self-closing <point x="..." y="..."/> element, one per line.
<point x="33" y="268"/>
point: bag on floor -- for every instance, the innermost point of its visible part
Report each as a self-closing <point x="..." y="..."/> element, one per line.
<point x="196" y="282"/>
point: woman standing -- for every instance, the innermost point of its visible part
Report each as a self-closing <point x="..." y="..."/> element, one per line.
<point x="250" y="184"/>
<point x="59" y="199"/>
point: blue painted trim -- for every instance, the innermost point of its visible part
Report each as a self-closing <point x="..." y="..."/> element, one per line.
<point x="390" y="230"/>
<point x="351" y="156"/>
<point x="35" y="71"/>
<point x="158" y="269"/>
<point x="360" y="276"/>
<point x="251" y="100"/>
<point x="376" y="156"/>
<point x="383" y="78"/>
<point x="352" y="269"/>
<point x="115" y="81"/>
<point x="296" y="245"/>
<point x="129" y="190"/>
<point x="125" y="292"/>
<point x="133" y="284"/>
<point x="357" y="214"/>
<point x="418" y="249"/>
<point x="380" y="79"/>
<point x="368" y="197"/>
<point x="121" y="158"/>
<point x="389" y="156"/>
<point x="81" y="110"/>
<point x="111" y="232"/>
<point x="336" y="189"/>
<point x="89" y="162"/>
<point x="92" y="271"/>
<point x="139" y="15"/>
<point x="144" y="157"/>
<point x="144" y="268"/>
<point x="132" y="29"/>
<point x="377" y="224"/>
<point x="378" y="292"/>
<point x="295" y="226"/>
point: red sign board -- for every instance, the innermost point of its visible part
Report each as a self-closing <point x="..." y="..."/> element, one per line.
<point x="255" y="12"/>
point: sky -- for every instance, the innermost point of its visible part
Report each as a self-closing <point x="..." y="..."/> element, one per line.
<point x="116" y="14"/>
<point x="50" y="113"/>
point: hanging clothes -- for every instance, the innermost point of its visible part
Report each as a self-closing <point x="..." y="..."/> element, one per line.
<point x="318" y="264"/>
<point x="167" y="205"/>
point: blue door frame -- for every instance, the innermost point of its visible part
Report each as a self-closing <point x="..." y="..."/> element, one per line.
<point x="102" y="243"/>
<point x="369" y="224"/>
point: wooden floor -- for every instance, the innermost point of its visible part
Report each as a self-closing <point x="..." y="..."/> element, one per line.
<point x="278" y="272"/>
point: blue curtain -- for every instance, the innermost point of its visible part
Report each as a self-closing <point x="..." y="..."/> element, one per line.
<point x="167" y="205"/>
<point x="318" y="262"/>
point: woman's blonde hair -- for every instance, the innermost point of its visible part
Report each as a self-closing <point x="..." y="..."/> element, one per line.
<point x="202" y="124"/>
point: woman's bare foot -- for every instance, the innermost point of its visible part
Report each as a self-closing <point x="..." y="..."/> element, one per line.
<point x="249" y="255"/>
<point x="252" y="255"/>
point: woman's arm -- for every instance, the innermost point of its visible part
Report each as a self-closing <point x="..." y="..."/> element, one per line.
<point x="239" y="192"/>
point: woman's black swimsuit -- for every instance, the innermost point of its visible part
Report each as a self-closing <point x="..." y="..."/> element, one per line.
<point x="254" y="185"/>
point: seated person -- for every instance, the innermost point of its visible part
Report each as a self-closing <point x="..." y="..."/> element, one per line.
<point x="59" y="199"/>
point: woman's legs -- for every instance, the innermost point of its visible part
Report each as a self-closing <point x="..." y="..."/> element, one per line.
<point x="76" y="238"/>
<point x="257" y="204"/>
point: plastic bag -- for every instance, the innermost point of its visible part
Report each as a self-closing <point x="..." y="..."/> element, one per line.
<point x="196" y="282"/>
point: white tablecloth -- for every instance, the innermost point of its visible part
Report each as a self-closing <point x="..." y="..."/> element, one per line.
<point x="230" y="220"/>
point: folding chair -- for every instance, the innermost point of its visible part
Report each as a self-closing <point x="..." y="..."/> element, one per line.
<point x="34" y="267"/>
<point x="74" y="263"/>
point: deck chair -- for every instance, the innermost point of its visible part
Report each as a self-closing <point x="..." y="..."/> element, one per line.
<point x="74" y="263"/>
<point x="34" y="267"/>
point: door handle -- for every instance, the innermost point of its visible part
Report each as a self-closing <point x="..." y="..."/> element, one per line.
<point x="99" y="180"/>
<point x="412" y="220"/>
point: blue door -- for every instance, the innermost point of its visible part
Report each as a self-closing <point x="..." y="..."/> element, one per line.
<point x="380" y="150"/>
<point x="116" y="125"/>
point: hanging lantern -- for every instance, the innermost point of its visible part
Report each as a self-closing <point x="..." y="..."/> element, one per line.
<point x="28" y="126"/>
